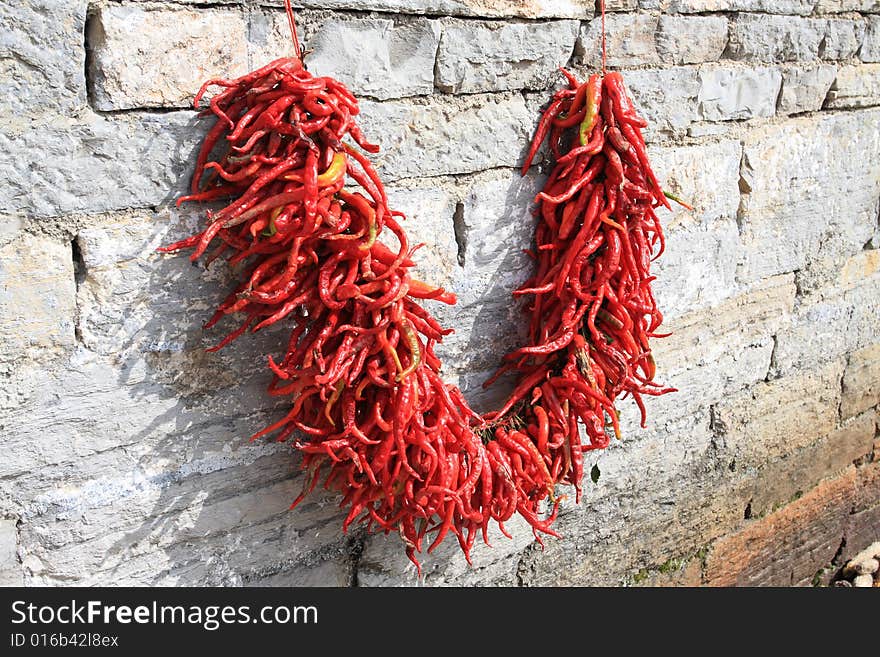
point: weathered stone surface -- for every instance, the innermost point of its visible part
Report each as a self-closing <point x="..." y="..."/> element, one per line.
<point x="806" y="204"/>
<point x="42" y="60"/>
<point x="495" y="226"/>
<point x="861" y="381"/>
<point x="144" y="57"/>
<point x="383" y="562"/>
<point x="476" y="57"/>
<point x="691" y="39"/>
<point x="671" y="573"/>
<point x="436" y="137"/>
<point x="731" y="93"/>
<point x="577" y="9"/>
<point x="773" y="419"/>
<point x="775" y="38"/>
<point x="779" y="482"/>
<point x="720" y="351"/>
<point x="870" y="51"/>
<point x="803" y="7"/>
<point x="855" y="86"/>
<point x="376" y="58"/>
<point x="788" y="545"/>
<point x="840" y="6"/>
<point x="804" y="89"/>
<point x="667" y="98"/>
<point x="10" y="569"/>
<point x="37" y="300"/>
<point x="823" y="329"/>
<point x="629" y="37"/>
<point x="698" y="268"/>
<point x="842" y="38"/>
<point x="98" y="163"/>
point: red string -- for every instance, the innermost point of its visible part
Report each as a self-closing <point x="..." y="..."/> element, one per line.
<point x="602" y="2"/>
<point x="292" y="21"/>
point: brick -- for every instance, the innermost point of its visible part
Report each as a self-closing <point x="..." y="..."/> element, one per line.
<point x="698" y="268"/>
<point x="870" y="51"/>
<point x="160" y="57"/>
<point x="691" y="39"/>
<point x="37" y="78"/>
<point x="810" y="192"/>
<point x="475" y="57"/>
<point x="786" y="546"/>
<point x="779" y="482"/>
<point x="804" y="88"/>
<point x="728" y="93"/>
<point x="629" y="40"/>
<point x="37" y="300"/>
<point x="861" y="381"/>
<point x="775" y="38"/>
<point x="375" y="57"/>
<point x="773" y="419"/>
<point x="438" y="137"/>
<point x="97" y="163"/>
<point x="855" y="86"/>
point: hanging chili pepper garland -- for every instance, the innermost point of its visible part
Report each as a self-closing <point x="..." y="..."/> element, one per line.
<point x="369" y="410"/>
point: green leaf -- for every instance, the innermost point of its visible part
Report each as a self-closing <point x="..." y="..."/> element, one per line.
<point x="595" y="473"/>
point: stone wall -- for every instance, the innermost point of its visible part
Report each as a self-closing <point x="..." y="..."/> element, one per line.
<point x="125" y="452"/>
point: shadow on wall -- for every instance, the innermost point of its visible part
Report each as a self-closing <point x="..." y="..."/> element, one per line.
<point x="194" y="502"/>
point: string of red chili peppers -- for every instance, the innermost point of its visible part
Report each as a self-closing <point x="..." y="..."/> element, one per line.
<point x="368" y="407"/>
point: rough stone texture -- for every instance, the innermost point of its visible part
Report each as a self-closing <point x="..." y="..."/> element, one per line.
<point x="160" y="57"/>
<point x="691" y="39"/>
<point x="35" y="77"/>
<point x="37" y="300"/>
<point x="771" y="286"/>
<point x="578" y="9"/>
<point x="870" y="51"/>
<point x="775" y="38"/>
<point x="97" y="163"/>
<point x="842" y="39"/>
<point x="667" y="98"/>
<point x="375" y="57"/>
<point x="779" y="482"/>
<point x="805" y="89"/>
<point x="736" y="93"/>
<point x="803" y="7"/>
<point x="10" y="570"/>
<point x="773" y="419"/>
<point x="855" y="86"/>
<point x="629" y="41"/>
<point x="789" y="545"/>
<point x="802" y="197"/>
<point x="437" y="137"/>
<point x="698" y="269"/>
<point x="476" y="57"/>
<point x="840" y="6"/>
<point x="824" y="328"/>
<point x="861" y="381"/>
